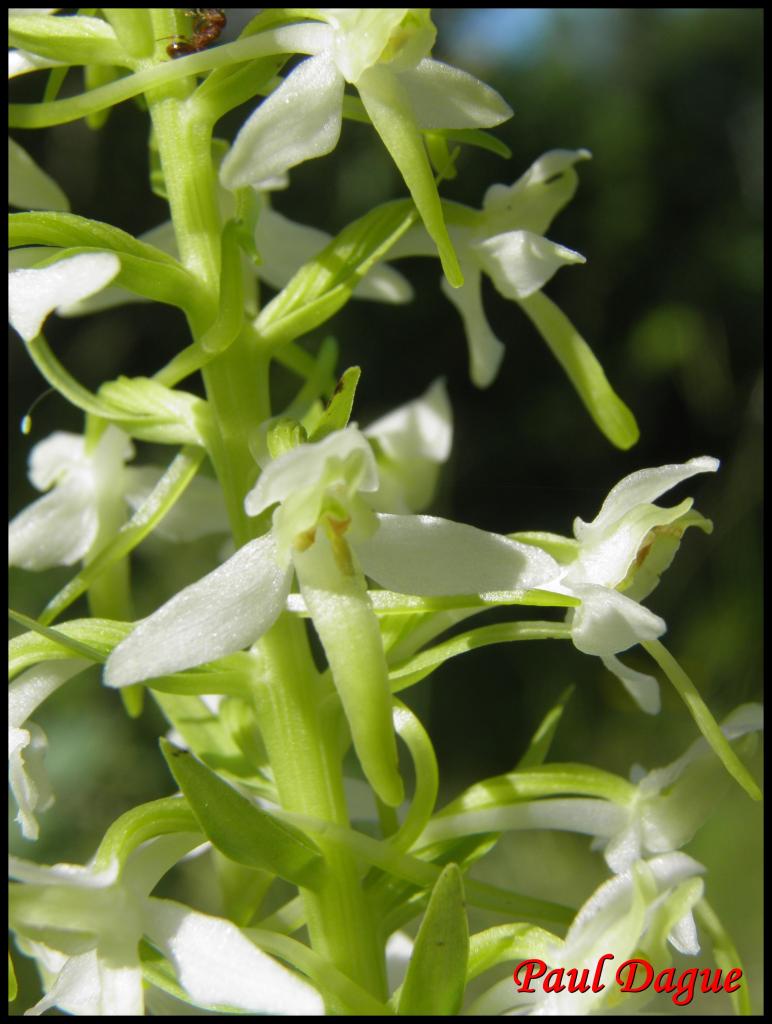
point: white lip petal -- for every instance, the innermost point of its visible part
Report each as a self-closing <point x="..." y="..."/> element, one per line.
<point x="485" y="349"/>
<point x="430" y="556"/>
<point x="220" y="614"/>
<point x="520" y="262"/>
<point x="644" y="689"/>
<point x="35" y="293"/>
<point x="607" y="622"/>
<point x="299" y="121"/>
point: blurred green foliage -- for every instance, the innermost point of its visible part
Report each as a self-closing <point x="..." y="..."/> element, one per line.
<point x="668" y="214"/>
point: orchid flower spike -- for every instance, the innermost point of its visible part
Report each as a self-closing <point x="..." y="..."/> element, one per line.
<point x="616" y="560"/>
<point x="326" y="533"/>
<point x="384" y="53"/>
<point x="84" y="925"/>
<point x="86" y="488"/>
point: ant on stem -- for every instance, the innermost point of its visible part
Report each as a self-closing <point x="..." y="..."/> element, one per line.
<point x="208" y="23"/>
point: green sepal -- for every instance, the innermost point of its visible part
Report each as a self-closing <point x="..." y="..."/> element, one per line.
<point x="338" y="410"/>
<point x="73" y="40"/>
<point x="563" y="549"/>
<point x="325" y="283"/>
<point x="436" y="977"/>
<point x="284" y="435"/>
<point x="152" y="412"/>
<point x="238" y="828"/>
<point x="81" y="638"/>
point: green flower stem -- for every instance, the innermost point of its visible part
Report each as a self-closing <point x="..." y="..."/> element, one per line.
<point x="307" y="770"/>
<point x="236" y="381"/>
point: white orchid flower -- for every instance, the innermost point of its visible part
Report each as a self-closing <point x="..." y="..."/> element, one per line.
<point x="383" y="52"/>
<point x="27" y="742"/>
<point x="629" y="914"/>
<point x="325" y="532"/>
<point x="504" y="240"/>
<point x="63" y="526"/>
<point x="84" y="926"/>
<point x="616" y="560"/>
<point x="411" y="443"/>
<point x="659" y="813"/>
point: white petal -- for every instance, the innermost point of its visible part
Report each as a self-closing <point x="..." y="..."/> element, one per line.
<point x="199" y="512"/>
<point x="607" y="622"/>
<point x="429" y="556"/>
<point x="29" y="187"/>
<point x="27" y="776"/>
<point x="299" y="121"/>
<point x="27" y="692"/>
<point x="646" y="485"/>
<point x="644" y="689"/>
<point x="446" y="97"/>
<point x="88" y="987"/>
<point x="34" y="294"/>
<point x="21" y="63"/>
<point x="532" y="202"/>
<point x="56" y="456"/>
<point x="221" y="613"/>
<point x="422" y="428"/>
<point x="520" y="262"/>
<point x="218" y="965"/>
<point x="303" y="466"/>
<point x="485" y="349"/>
<point x="57" y="529"/>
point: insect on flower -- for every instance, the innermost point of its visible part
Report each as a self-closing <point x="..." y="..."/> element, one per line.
<point x="208" y="23"/>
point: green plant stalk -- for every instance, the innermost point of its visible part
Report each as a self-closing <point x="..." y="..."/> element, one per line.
<point x="305" y="761"/>
<point x="307" y="768"/>
<point x="236" y="381"/>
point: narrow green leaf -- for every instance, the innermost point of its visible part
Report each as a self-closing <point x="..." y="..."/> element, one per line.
<point x="338" y="411"/>
<point x="13" y="986"/>
<point x="436" y="978"/>
<point x="480" y="139"/>
<point x="238" y="828"/>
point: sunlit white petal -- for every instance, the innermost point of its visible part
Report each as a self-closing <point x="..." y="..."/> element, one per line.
<point x="222" y="613"/>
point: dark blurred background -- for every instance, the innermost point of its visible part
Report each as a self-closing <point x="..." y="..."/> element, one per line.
<point x="668" y="214"/>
